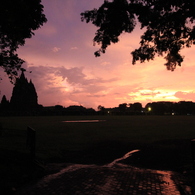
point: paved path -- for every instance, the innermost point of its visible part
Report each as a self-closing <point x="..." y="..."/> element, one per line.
<point x="112" y="179"/>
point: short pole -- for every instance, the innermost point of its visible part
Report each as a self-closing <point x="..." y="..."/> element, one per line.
<point x="193" y="155"/>
<point x="31" y="141"/>
<point x="1" y="130"/>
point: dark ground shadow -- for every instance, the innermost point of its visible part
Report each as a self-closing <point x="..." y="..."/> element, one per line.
<point x="173" y="155"/>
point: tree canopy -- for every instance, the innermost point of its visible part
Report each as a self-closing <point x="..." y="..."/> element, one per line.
<point x="18" y="20"/>
<point x="169" y="27"/>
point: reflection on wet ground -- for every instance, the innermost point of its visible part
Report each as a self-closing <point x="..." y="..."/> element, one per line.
<point x="84" y="121"/>
<point x="127" y="155"/>
<point x="114" y="178"/>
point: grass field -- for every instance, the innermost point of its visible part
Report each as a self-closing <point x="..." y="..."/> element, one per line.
<point x="164" y="141"/>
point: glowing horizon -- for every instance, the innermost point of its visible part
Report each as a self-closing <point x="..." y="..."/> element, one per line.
<point x="65" y="71"/>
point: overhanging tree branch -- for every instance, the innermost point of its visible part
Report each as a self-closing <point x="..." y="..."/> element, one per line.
<point x="18" y="20"/>
<point x="169" y="27"/>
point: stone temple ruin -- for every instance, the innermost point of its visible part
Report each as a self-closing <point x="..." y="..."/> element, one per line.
<point x="24" y="97"/>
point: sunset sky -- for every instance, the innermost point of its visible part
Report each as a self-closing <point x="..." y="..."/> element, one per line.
<point x="65" y="71"/>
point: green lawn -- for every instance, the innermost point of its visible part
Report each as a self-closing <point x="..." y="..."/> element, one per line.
<point x="54" y="135"/>
<point x="164" y="141"/>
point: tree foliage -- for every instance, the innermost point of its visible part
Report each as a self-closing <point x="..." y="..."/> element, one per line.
<point x="168" y="24"/>
<point x="18" y="20"/>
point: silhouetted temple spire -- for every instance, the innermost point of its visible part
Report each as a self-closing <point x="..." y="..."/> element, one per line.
<point x="24" y="95"/>
<point x="4" y="103"/>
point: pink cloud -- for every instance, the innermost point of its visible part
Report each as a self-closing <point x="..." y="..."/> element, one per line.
<point x="56" y="49"/>
<point x="73" y="48"/>
<point x="188" y="96"/>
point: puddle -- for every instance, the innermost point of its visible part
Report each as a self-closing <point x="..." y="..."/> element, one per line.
<point x="170" y="185"/>
<point x="75" y="167"/>
<point x="70" y="168"/>
<point x="127" y="155"/>
<point x="84" y="121"/>
<point x="114" y="178"/>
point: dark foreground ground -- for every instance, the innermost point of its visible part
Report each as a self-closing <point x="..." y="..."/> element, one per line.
<point x="110" y="179"/>
<point x="24" y="172"/>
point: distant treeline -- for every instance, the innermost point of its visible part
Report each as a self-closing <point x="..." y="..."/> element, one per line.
<point x="24" y="102"/>
<point x="154" y="108"/>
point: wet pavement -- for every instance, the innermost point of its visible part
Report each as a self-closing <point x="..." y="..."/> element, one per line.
<point x="112" y="179"/>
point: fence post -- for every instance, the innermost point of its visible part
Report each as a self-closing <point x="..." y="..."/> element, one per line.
<point x="193" y="155"/>
<point x="1" y="130"/>
<point x="31" y="141"/>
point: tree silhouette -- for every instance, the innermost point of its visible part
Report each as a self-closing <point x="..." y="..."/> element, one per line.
<point x="18" y="20"/>
<point x="136" y="107"/>
<point x="122" y="107"/>
<point x="169" y="27"/>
